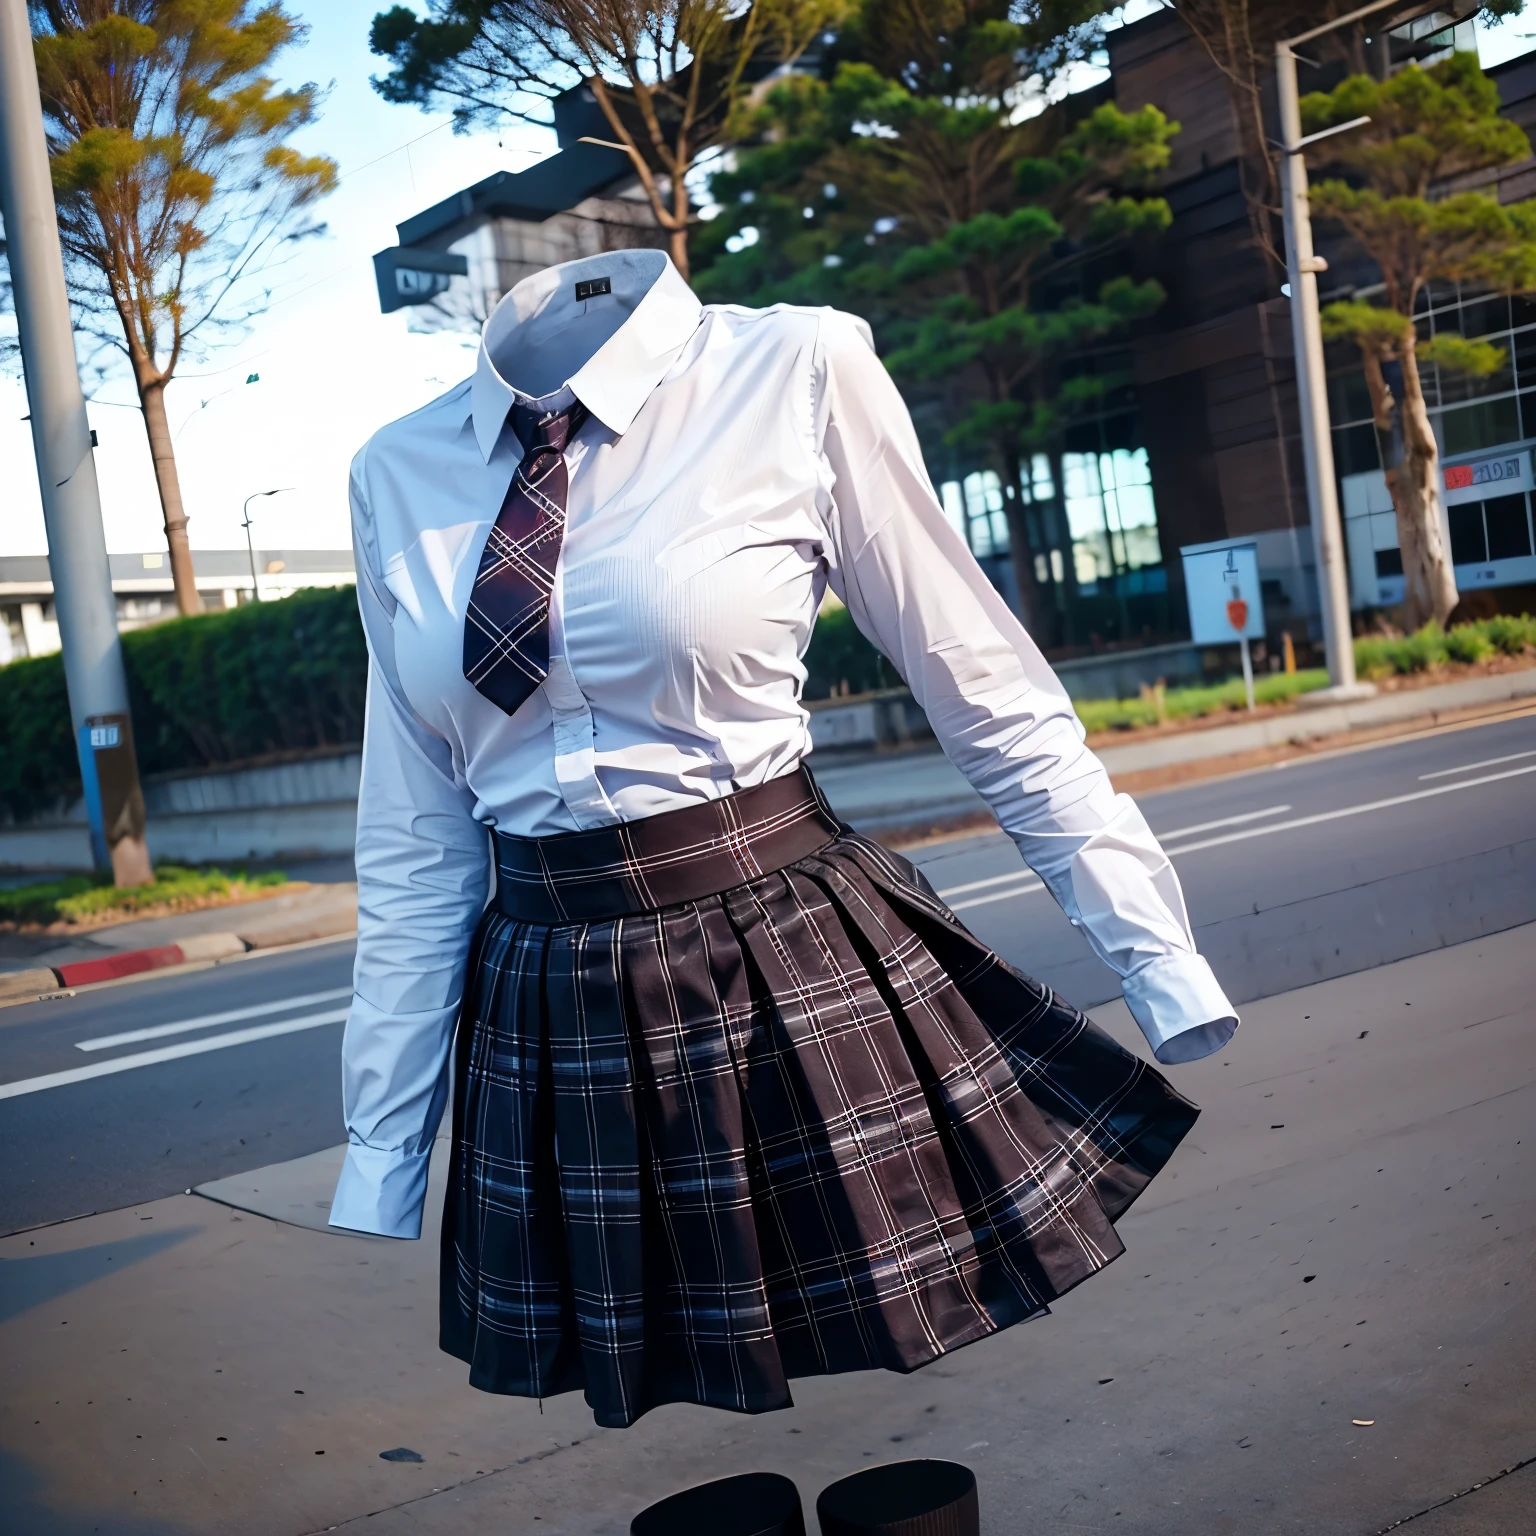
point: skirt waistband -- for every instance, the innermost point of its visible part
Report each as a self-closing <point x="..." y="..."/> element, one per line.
<point x="661" y="861"/>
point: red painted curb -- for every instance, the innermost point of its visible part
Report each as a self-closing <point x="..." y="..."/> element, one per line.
<point x="83" y="972"/>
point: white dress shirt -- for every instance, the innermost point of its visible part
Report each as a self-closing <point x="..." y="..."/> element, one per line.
<point x="735" y="464"/>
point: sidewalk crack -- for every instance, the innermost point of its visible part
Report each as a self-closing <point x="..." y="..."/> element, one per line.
<point x="467" y="1482"/>
<point x="1487" y="1482"/>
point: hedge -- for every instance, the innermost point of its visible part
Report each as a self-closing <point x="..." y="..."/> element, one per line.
<point x="262" y="679"/>
<point x="219" y="688"/>
<point x="290" y="676"/>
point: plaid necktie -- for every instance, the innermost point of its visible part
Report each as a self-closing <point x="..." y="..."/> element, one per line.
<point x="506" y="630"/>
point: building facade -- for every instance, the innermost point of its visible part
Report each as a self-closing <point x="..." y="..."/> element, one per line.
<point x="142" y="588"/>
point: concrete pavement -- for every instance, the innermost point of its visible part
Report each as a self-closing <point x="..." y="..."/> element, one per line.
<point x="1347" y="1234"/>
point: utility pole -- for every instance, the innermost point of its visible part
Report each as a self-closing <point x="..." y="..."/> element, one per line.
<point x="1302" y="266"/>
<point x="66" y="470"/>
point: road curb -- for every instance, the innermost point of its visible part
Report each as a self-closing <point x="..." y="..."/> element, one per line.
<point x="129" y="962"/>
<point x="33" y="985"/>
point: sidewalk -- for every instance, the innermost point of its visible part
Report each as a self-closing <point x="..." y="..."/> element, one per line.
<point x="312" y="912"/>
<point x="1347" y="1234"/>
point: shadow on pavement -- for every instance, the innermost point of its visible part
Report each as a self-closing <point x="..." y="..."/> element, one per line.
<point x="27" y="1283"/>
<point x="22" y="1499"/>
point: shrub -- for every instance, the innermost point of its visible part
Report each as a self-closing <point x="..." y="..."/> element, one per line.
<point x="839" y="654"/>
<point x="1510" y="633"/>
<point x="78" y="898"/>
<point x="1422" y="651"/>
<point x="218" y="688"/>
<point x="1468" y="643"/>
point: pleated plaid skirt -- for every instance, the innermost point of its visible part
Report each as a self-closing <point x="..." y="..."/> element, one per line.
<point x="738" y="1099"/>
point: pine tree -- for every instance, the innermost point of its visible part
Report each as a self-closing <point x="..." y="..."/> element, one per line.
<point x="915" y="188"/>
<point x="174" y="180"/>
<point x="1427" y="127"/>
<point x="667" y="76"/>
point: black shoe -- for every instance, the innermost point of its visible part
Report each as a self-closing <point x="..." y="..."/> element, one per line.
<point x="754" y="1504"/>
<point x="902" y="1498"/>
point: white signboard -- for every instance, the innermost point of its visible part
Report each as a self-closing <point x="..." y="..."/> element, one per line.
<point x="1498" y="474"/>
<point x="1225" y="602"/>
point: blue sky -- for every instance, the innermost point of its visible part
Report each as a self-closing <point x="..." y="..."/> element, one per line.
<point x="332" y="368"/>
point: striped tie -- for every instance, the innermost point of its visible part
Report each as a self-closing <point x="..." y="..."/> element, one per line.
<point x="506" y="630"/>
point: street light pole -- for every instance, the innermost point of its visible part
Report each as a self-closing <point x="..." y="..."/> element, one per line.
<point x="250" y="548"/>
<point x="66" y="470"/>
<point x="1302" y="266"/>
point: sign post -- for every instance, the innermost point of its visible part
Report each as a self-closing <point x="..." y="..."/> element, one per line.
<point x="1226" y="602"/>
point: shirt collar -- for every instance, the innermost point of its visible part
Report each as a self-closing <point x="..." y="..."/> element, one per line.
<point x="618" y="378"/>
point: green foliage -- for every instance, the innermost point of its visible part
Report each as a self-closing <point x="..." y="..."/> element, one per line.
<point x="984" y="247"/>
<point x="840" y="660"/>
<point x="1194" y="703"/>
<point x="259" y="679"/>
<point x="1376" y="656"/>
<point x="1431" y="646"/>
<point x="168" y="144"/>
<point x="37" y="756"/>
<point x="1478" y="358"/>
<point x="1426" y="126"/>
<point x="1510" y="634"/>
<point x="206" y="691"/>
<point x="1375" y="328"/>
<point x="1468" y="644"/>
<point x="668" y="75"/>
<point x="80" y="898"/>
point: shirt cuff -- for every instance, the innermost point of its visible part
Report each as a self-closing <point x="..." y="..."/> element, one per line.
<point x="381" y="1192"/>
<point x="1180" y="1007"/>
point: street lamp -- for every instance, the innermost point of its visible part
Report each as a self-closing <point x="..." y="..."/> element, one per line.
<point x="1302" y="267"/>
<point x="250" y="548"/>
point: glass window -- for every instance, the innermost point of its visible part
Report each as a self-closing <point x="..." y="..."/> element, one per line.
<point x="1485" y="425"/>
<point x="1110" y="512"/>
<point x="985" y="515"/>
<point x="1483" y="317"/>
<point x="1523" y="344"/>
<point x="1349" y="397"/>
<point x="1354" y="450"/>
<point x="1468" y="545"/>
<point x="952" y="501"/>
<point x="1041" y="483"/>
<point x="1509" y="527"/>
<point x="1389" y="562"/>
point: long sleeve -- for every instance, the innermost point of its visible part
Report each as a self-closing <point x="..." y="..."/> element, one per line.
<point x="422" y="874"/>
<point x="996" y="707"/>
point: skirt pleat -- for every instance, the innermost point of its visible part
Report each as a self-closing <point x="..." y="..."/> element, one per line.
<point x="809" y="1125"/>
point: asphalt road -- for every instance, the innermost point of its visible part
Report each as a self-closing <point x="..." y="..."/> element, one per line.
<point x="1320" y="868"/>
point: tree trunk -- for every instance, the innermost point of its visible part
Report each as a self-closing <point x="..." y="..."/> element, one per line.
<point x="152" y="398"/>
<point x="677" y="249"/>
<point x="1414" y="484"/>
<point x="1021" y="552"/>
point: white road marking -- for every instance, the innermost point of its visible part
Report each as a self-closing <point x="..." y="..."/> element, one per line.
<point x="1487" y="762"/>
<point x="1351" y="810"/>
<point x="169" y="1053"/>
<point x="1249" y="832"/>
<point x="1032" y="884"/>
<point x="1226" y="821"/>
<point x="981" y="885"/>
<point x="185" y="1026"/>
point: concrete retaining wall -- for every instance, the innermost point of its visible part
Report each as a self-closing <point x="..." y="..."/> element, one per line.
<point x="277" y="811"/>
<point x="309" y="808"/>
